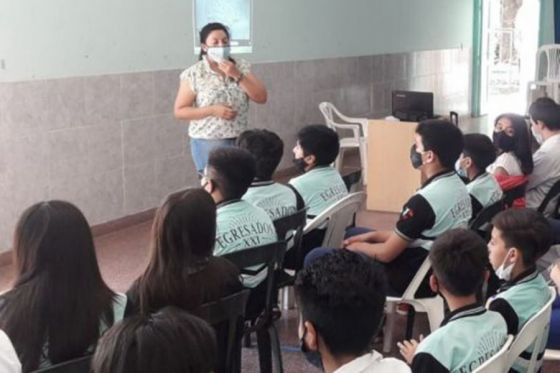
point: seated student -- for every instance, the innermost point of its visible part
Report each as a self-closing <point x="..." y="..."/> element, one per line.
<point x="545" y="124"/>
<point x="479" y="153"/>
<point x="442" y="203"/>
<point x="554" y="331"/>
<point x="469" y="335"/>
<point x="182" y="271"/>
<point x="276" y="199"/>
<point x="59" y="305"/>
<point x="9" y="362"/>
<point x="515" y="162"/>
<point x="321" y="185"/>
<point x="342" y="298"/>
<point x="239" y="224"/>
<point x="519" y="238"/>
<point x="170" y="341"/>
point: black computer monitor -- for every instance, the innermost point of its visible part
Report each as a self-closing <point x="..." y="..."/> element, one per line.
<point x="412" y="106"/>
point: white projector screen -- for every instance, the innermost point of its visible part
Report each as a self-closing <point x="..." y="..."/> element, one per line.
<point x="237" y="15"/>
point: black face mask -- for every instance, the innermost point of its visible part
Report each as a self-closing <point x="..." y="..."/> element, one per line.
<point x="313" y="357"/>
<point x="415" y="158"/>
<point x="300" y="164"/>
<point x="503" y="141"/>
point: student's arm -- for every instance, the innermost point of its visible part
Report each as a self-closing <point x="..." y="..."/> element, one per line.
<point x="537" y="177"/>
<point x="383" y="252"/>
<point x="369" y="237"/>
<point x="476" y="207"/>
<point x="501" y="306"/>
<point x="500" y="171"/>
<point x="426" y="363"/>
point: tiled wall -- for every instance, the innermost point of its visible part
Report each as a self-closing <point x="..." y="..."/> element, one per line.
<point x="111" y="145"/>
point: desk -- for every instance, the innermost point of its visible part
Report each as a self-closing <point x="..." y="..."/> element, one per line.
<point x="391" y="179"/>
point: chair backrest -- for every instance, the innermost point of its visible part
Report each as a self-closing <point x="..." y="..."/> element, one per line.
<point x="532" y="334"/>
<point x="230" y="310"/>
<point x="548" y="64"/>
<point x="353" y="181"/>
<point x="79" y="365"/>
<point x="416" y="281"/>
<point x="496" y="363"/>
<point x="268" y="256"/>
<point x="513" y="194"/>
<point x="357" y="125"/>
<point x="290" y="228"/>
<point x="552" y="195"/>
<point x="337" y="217"/>
<point x="485" y="215"/>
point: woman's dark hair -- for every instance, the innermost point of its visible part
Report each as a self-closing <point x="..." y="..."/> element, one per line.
<point x="522" y="150"/>
<point x="206" y="30"/>
<point x="59" y="299"/>
<point x="527" y="230"/>
<point x="182" y="242"/>
<point x="170" y="341"/>
<point x="546" y="110"/>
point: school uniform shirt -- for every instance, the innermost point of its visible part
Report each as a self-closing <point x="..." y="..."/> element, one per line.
<point x="442" y="203"/>
<point x="519" y="300"/>
<point x="276" y="199"/>
<point x="545" y="173"/>
<point x="320" y="187"/>
<point x="373" y="362"/>
<point x="509" y="162"/>
<point x="239" y="226"/>
<point x="467" y="338"/>
<point x="9" y="362"/>
<point x="484" y="191"/>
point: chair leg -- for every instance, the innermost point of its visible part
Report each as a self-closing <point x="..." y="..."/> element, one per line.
<point x="287" y="298"/>
<point x="276" y="350"/>
<point x="363" y="161"/>
<point x="410" y="323"/>
<point x="264" y="350"/>
<point x="389" y="327"/>
<point x="247" y="340"/>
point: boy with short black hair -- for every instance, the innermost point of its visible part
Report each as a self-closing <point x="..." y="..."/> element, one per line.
<point x="239" y="224"/>
<point x="469" y="335"/>
<point x="342" y="298"/>
<point x="478" y="153"/>
<point x="321" y="185"/>
<point x="276" y="199"/>
<point x="545" y="125"/>
<point x="519" y="238"/>
<point x="442" y="203"/>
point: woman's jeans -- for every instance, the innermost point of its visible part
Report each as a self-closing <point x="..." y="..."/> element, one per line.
<point x="200" y="148"/>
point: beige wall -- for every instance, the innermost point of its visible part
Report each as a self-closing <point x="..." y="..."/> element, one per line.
<point x="110" y="144"/>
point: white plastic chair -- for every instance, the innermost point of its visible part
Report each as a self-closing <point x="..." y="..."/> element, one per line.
<point x="496" y="363"/>
<point x="552" y="355"/>
<point x="533" y="333"/>
<point x="547" y="73"/>
<point x="358" y="126"/>
<point x="433" y="306"/>
<point x="336" y="218"/>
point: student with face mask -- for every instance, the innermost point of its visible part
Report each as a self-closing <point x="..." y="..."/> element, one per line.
<point x="545" y="125"/>
<point x="478" y="154"/>
<point x="341" y="297"/>
<point x="214" y="95"/>
<point x="519" y="238"/>
<point x="469" y="335"/>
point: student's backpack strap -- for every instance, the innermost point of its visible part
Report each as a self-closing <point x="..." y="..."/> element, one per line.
<point x="299" y="199"/>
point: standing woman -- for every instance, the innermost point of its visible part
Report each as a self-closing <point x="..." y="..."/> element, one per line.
<point x="214" y="95"/>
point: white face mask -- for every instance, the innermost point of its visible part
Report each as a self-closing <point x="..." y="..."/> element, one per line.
<point x="536" y="135"/>
<point x="218" y="54"/>
<point x="504" y="272"/>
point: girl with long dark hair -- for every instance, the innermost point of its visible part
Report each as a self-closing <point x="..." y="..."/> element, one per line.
<point x="59" y="304"/>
